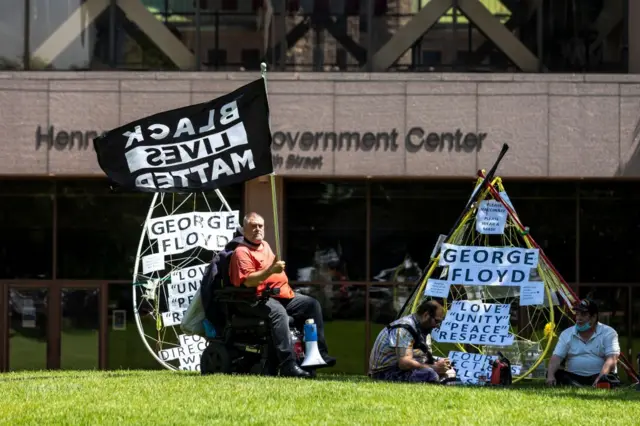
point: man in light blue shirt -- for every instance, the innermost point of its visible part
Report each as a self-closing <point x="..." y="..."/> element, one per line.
<point x="590" y="350"/>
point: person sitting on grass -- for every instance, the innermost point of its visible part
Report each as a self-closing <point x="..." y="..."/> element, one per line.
<point x="400" y="352"/>
<point x="590" y="349"/>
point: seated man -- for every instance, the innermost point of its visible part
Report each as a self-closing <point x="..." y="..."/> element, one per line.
<point x="254" y="264"/>
<point x="397" y="356"/>
<point x="591" y="350"/>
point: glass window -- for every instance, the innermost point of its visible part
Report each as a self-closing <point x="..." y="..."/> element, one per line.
<point x="549" y="210"/>
<point x="99" y="231"/>
<point x="613" y="303"/>
<point x="609" y="225"/>
<point x="635" y="325"/>
<point x="45" y="18"/>
<point x="325" y="230"/>
<point x="26" y="242"/>
<point x="126" y="348"/>
<point x="80" y="329"/>
<point x="12" y="32"/>
<point x="28" y="326"/>
<point x="406" y="220"/>
<point x="32" y="186"/>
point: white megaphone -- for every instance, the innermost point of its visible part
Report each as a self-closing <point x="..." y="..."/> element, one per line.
<point x="312" y="357"/>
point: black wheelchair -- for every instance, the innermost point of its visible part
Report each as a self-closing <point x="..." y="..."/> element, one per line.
<point x="243" y="342"/>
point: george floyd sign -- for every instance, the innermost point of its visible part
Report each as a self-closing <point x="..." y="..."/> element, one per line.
<point x="308" y="146"/>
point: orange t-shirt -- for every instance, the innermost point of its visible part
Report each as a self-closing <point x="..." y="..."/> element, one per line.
<point x="247" y="260"/>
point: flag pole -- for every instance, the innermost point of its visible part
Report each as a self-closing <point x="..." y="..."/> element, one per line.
<point x="272" y="175"/>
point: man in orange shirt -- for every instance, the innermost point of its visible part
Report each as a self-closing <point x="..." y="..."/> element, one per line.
<point x="254" y="264"/>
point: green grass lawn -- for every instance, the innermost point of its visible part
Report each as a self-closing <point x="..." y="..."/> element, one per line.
<point x="163" y="397"/>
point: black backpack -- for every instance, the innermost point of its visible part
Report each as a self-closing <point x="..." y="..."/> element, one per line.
<point x="216" y="276"/>
<point x="419" y="344"/>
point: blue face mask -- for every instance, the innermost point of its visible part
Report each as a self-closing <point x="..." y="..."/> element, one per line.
<point x="584" y="327"/>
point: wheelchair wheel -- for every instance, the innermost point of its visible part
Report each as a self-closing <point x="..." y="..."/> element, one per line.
<point x="215" y="359"/>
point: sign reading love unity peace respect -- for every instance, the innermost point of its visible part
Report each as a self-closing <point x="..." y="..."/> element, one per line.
<point x="476" y="323"/>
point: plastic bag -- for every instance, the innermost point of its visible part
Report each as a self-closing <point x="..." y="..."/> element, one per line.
<point x="192" y="321"/>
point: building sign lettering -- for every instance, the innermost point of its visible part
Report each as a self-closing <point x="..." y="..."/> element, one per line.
<point x="309" y="146"/>
<point x="61" y="140"/>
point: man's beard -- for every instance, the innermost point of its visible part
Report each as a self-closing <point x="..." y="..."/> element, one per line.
<point x="426" y="329"/>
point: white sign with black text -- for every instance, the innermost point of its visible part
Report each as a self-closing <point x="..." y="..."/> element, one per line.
<point x="476" y="323"/>
<point x="477" y="265"/>
<point x="182" y="232"/>
<point x="188" y="352"/>
<point x="475" y="368"/>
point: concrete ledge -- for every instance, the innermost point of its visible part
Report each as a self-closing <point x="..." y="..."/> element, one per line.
<point x="321" y="76"/>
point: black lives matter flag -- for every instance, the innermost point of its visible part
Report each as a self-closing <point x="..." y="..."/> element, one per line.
<point x="196" y="148"/>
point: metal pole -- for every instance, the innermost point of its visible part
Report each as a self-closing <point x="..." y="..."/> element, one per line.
<point x="370" y="35"/>
<point x="198" y="36"/>
<point x="217" y="38"/>
<point x="112" y="33"/>
<point x="540" y="36"/>
<point x="27" y="33"/>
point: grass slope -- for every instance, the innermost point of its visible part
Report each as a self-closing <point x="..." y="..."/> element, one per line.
<point x="164" y="397"/>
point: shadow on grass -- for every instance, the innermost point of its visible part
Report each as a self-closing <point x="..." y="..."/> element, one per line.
<point x="78" y="375"/>
<point x="624" y="393"/>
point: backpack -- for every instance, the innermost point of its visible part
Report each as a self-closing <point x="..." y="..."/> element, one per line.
<point x="216" y="276"/>
<point x="501" y="371"/>
<point x="419" y="344"/>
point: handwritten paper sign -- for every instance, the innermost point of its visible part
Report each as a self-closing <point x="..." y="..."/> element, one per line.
<point x="152" y="262"/>
<point x="491" y="217"/>
<point x="532" y="294"/>
<point x="437" y="288"/>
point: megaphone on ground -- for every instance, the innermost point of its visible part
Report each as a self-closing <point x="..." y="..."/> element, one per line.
<point x="312" y="357"/>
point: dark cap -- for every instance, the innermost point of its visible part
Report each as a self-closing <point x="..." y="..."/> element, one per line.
<point x="586" y="305"/>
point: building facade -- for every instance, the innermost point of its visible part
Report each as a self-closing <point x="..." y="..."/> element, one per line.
<point x="371" y="168"/>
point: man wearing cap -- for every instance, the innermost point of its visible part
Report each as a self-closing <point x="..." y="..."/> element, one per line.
<point x="590" y="349"/>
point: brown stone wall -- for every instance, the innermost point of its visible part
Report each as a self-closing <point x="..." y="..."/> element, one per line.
<point x="556" y="125"/>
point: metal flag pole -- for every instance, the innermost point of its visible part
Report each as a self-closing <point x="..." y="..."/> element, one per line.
<point x="272" y="175"/>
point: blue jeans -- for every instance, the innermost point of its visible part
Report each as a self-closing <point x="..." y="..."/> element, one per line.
<point x="395" y="374"/>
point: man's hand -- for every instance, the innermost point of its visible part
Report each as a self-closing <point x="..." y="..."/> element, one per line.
<point x="442" y="365"/>
<point x="277" y="266"/>
<point x="595" y="382"/>
<point x="551" y="381"/>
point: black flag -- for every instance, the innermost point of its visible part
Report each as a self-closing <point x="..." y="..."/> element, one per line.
<point x="195" y="148"/>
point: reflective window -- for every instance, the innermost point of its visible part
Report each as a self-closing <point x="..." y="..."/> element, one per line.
<point x="87" y="49"/>
<point x="613" y="303"/>
<point x="343" y="308"/>
<point x="28" y="324"/>
<point x="99" y="231"/>
<point x="80" y="329"/>
<point x="609" y="225"/>
<point x="126" y="348"/>
<point x="325" y="231"/>
<point x="98" y="234"/>
<point x="26" y="226"/>
<point x="406" y="220"/>
<point x="12" y="32"/>
<point x="549" y="210"/>
<point x="635" y="324"/>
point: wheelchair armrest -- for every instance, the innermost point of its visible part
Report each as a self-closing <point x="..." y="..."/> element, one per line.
<point x="244" y="294"/>
<point x="235" y="294"/>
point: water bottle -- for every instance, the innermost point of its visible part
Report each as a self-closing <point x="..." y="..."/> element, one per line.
<point x="209" y="330"/>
